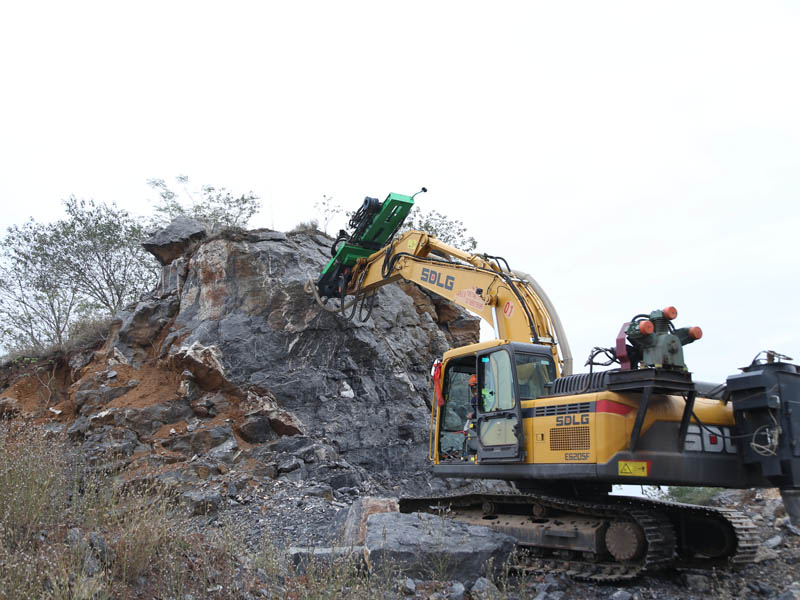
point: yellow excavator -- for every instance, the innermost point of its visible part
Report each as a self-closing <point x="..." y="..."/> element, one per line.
<point x="564" y="439"/>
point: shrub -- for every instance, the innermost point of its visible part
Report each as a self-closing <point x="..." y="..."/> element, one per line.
<point x="692" y="495"/>
<point x="311" y="226"/>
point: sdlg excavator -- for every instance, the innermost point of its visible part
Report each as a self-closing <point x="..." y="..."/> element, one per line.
<point x="564" y="439"/>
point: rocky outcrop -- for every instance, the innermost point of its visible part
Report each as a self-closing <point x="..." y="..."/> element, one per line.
<point x="230" y="364"/>
<point x="242" y="323"/>
<point x="175" y="239"/>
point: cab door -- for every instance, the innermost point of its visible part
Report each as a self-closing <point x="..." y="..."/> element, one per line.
<point x="499" y="422"/>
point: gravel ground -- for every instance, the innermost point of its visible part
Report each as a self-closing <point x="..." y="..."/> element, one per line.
<point x="285" y="513"/>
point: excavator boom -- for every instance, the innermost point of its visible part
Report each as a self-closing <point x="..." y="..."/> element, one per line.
<point x="501" y="297"/>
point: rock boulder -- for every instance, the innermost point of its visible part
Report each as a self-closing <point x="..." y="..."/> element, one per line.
<point x="431" y="547"/>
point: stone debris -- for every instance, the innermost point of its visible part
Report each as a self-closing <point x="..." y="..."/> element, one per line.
<point x="304" y="559"/>
<point x="483" y="589"/>
<point x="202" y="502"/>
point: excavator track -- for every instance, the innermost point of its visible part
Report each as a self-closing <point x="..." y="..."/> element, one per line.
<point x="656" y="521"/>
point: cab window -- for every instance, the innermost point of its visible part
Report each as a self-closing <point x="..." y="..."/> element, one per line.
<point x="497" y="392"/>
<point x="533" y="373"/>
<point x="457" y="400"/>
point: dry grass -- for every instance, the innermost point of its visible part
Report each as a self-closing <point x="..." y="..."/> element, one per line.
<point x="84" y="334"/>
<point x="311" y="226"/>
<point x="67" y="532"/>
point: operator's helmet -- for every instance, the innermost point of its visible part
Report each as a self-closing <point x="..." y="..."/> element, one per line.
<point x="473" y="381"/>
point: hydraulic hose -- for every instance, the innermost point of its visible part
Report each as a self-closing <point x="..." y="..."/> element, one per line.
<point x="561" y="335"/>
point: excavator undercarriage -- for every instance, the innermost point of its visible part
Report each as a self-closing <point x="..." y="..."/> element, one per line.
<point x="603" y="538"/>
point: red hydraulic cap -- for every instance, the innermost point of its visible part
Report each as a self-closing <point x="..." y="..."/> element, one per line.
<point x="695" y="333"/>
<point x="670" y="312"/>
<point x="646" y="327"/>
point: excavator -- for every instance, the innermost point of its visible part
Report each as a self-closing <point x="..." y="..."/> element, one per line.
<point x="565" y="439"/>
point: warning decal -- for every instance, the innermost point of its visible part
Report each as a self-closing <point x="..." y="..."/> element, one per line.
<point x="412" y="244"/>
<point x="471" y="299"/>
<point x="634" y="468"/>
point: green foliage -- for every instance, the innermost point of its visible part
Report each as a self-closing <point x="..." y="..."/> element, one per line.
<point x="85" y="265"/>
<point x="37" y="299"/>
<point x="450" y="231"/>
<point x="692" y="495"/>
<point x="209" y="205"/>
<point x="100" y="249"/>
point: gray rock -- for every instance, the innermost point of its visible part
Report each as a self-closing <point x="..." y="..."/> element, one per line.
<point x="354" y="529"/>
<point x="483" y="589"/>
<point x="175" y="239"/>
<point x="139" y="326"/>
<point x="790" y="593"/>
<point x="409" y="587"/>
<point x="256" y="429"/>
<point x="237" y="317"/>
<point x="268" y="236"/>
<point x="764" y="554"/>
<point x="78" y="428"/>
<point x="287" y="464"/>
<point x="74" y="538"/>
<point x="428" y="546"/>
<point x="211" y="404"/>
<point x="145" y="421"/>
<point x="91" y="566"/>
<point x="456" y="591"/>
<point x="319" y="491"/>
<point x="226" y="452"/>
<point x="791" y="502"/>
<point x="269" y="470"/>
<point x="103" y="443"/>
<point x="101" y="549"/>
<point x="80" y="360"/>
<point x="90" y="400"/>
<point x="621" y="595"/>
<point x="774" y="542"/>
<point x="200" y="441"/>
<point x="698" y="583"/>
<point x="343" y="479"/>
<point x="305" y="558"/>
<point x="202" y="502"/>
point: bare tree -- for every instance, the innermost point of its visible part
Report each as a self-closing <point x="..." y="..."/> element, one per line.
<point x="210" y="205"/>
<point x="37" y="301"/>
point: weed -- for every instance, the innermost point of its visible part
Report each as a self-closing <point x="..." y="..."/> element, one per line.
<point x="692" y="495"/>
<point x="311" y="226"/>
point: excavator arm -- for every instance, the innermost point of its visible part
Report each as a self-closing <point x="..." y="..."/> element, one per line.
<point x="512" y="303"/>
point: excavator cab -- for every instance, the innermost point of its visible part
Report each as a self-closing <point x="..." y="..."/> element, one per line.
<point x="489" y="426"/>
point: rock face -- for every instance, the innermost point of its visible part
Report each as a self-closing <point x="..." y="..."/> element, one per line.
<point x="243" y="320"/>
<point x="230" y="364"/>
<point x="431" y="547"/>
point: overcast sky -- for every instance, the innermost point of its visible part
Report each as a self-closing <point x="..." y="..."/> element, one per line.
<point x="627" y="155"/>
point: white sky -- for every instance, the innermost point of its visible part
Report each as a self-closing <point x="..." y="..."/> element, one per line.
<point x="627" y="155"/>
